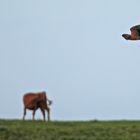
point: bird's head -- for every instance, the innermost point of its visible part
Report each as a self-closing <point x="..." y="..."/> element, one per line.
<point x="126" y="36"/>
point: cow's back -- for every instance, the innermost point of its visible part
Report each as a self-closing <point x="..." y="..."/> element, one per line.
<point x="35" y="100"/>
<point x="29" y="98"/>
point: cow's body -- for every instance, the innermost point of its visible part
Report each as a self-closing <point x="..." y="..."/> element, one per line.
<point x="33" y="101"/>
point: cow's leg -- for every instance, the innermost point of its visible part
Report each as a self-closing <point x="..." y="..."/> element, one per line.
<point x="24" y="114"/>
<point x="34" y="114"/>
<point x="43" y="112"/>
<point x="48" y="110"/>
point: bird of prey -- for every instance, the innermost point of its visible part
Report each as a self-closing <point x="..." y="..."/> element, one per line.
<point x="135" y="33"/>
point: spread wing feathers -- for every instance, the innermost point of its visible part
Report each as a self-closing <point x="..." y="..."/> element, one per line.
<point x="134" y="31"/>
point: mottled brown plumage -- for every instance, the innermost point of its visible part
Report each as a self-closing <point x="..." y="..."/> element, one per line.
<point x="34" y="101"/>
<point x="135" y="33"/>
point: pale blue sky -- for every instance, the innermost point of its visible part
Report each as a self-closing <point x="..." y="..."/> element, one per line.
<point x="73" y="49"/>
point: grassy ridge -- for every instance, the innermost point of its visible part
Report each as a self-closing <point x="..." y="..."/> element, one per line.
<point x="89" y="130"/>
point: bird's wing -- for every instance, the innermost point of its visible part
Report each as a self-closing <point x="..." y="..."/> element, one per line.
<point x="135" y="31"/>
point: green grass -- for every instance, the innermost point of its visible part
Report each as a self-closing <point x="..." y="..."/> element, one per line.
<point x="86" y="130"/>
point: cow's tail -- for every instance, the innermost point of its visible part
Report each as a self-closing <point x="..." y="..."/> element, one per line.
<point x="49" y="102"/>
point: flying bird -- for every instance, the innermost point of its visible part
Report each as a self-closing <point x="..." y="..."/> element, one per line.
<point x="135" y="33"/>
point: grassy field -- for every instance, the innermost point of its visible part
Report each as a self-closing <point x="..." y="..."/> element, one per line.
<point x="86" y="130"/>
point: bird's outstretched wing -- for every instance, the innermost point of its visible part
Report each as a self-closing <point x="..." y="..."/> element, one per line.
<point x="135" y="30"/>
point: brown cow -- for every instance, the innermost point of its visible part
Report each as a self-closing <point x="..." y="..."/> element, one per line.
<point x="33" y="101"/>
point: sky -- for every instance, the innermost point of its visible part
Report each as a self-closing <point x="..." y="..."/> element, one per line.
<point x="72" y="49"/>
